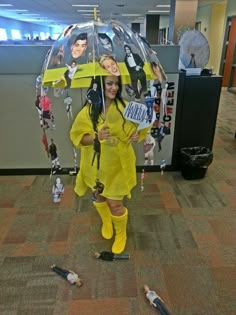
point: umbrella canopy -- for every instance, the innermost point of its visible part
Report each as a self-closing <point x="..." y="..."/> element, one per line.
<point x="93" y="49"/>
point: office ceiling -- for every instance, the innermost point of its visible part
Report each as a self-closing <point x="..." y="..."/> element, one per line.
<point x="61" y="13"/>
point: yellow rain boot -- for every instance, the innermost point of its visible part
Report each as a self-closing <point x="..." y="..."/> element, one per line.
<point x="105" y="214"/>
<point x="120" y="230"/>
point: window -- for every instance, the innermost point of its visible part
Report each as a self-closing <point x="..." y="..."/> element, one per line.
<point x="42" y="36"/>
<point x="15" y="34"/>
<point x="55" y="36"/>
<point x="3" y="34"/>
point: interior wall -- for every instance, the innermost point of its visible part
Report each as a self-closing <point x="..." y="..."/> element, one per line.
<point x="204" y="16"/>
<point x="216" y="35"/>
<point x="231" y="8"/>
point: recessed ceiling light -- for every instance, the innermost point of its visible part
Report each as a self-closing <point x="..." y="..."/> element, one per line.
<point x="158" y="11"/>
<point x="163" y="6"/>
<point x="86" y="11"/>
<point x="130" y="14"/>
<point x="28" y="14"/>
<point x="16" y="10"/>
<point x="120" y="5"/>
<point x="85" y="5"/>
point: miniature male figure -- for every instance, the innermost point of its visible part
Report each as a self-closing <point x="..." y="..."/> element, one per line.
<point x="94" y="95"/>
<point x="46" y="108"/>
<point x="38" y="85"/>
<point x="162" y="166"/>
<point x="54" y="158"/>
<point x="156" y="301"/>
<point x="149" y="145"/>
<point x="161" y="132"/>
<point x="69" y="75"/>
<point x="69" y="275"/>
<point x="68" y="102"/>
<point x="149" y="102"/>
<point x="38" y="107"/>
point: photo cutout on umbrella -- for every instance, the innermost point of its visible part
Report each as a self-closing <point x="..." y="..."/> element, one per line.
<point x="108" y="62"/>
<point x="121" y="36"/>
<point x="57" y="56"/>
<point x="135" y="64"/>
<point x="67" y="31"/>
<point x="79" y="45"/>
<point x="158" y="71"/>
<point x="105" y="43"/>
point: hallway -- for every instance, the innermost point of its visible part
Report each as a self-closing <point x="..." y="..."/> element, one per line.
<point x="181" y="238"/>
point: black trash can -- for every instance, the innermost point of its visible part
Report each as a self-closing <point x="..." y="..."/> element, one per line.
<point x="194" y="162"/>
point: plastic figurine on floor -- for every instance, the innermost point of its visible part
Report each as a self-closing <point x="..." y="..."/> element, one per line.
<point x="143" y="176"/>
<point x="54" y="158"/>
<point x="149" y="145"/>
<point x="69" y="275"/>
<point x="57" y="190"/>
<point x="156" y="301"/>
<point x="109" y="256"/>
<point x="162" y="166"/>
<point x="68" y="102"/>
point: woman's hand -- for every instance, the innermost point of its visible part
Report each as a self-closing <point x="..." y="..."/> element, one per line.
<point x="134" y="137"/>
<point x="104" y="133"/>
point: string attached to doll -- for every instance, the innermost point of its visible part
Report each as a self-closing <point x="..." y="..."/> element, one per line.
<point x="143" y="176"/>
<point x="96" y="98"/>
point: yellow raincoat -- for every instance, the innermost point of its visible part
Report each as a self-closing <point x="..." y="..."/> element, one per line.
<point x="117" y="169"/>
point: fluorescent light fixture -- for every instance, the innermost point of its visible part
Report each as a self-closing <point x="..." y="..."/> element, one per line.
<point x="163" y="6"/>
<point x="30" y="14"/>
<point x="88" y="17"/>
<point x="130" y="14"/>
<point x="86" y="11"/>
<point x="87" y="14"/>
<point x="85" y="5"/>
<point x="16" y="10"/>
<point x="5" y="5"/>
<point x="158" y="11"/>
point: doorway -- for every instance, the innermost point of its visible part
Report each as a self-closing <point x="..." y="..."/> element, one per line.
<point x="227" y="68"/>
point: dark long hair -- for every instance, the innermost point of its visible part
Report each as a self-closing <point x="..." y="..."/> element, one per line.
<point x="96" y="110"/>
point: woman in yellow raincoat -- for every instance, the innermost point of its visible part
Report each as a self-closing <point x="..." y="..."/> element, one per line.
<point x="117" y="165"/>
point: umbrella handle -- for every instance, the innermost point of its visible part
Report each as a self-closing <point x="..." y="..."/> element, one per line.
<point x="103" y="100"/>
<point x="95" y="14"/>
